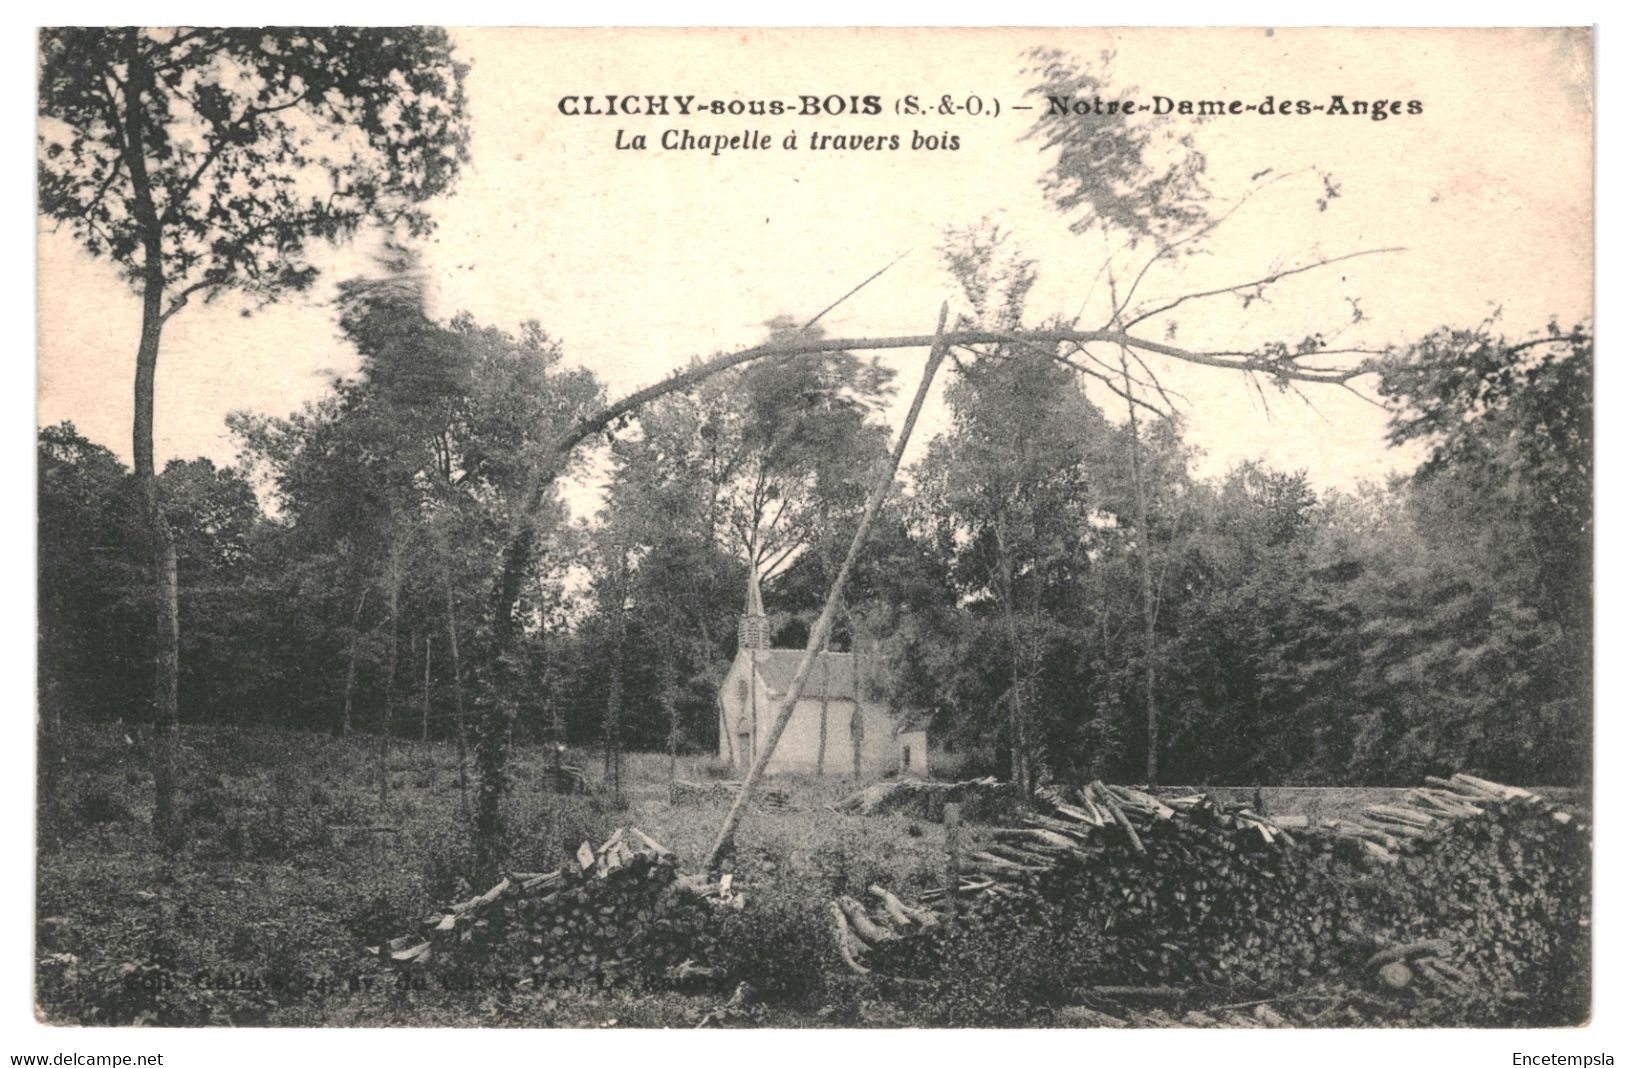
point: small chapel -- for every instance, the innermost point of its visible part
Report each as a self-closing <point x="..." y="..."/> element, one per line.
<point x="862" y="735"/>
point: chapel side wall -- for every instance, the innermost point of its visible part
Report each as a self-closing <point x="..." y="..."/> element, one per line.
<point x="880" y="752"/>
<point x="729" y="715"/>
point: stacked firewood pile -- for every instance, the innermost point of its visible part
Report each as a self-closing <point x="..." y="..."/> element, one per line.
<point x="684" y="791"/>
<point x="621" y="908"/>
<point x="984" y="798"/>
<point x="1471" y="890"/>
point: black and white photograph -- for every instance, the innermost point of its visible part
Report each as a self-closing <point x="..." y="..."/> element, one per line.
<point x="827" y="528"/>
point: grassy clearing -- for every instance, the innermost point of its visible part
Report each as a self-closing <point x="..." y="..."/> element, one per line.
<point x="292" y="867"/>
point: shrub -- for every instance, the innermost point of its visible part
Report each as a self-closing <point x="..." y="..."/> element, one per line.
<point x="97" y="807"/>
<point x="780" y="944"/>
<point x="1003" y="973"/>
<point x="717" y="769"/>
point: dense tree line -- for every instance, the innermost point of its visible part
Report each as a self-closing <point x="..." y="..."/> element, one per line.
<point x="332" y="582"/>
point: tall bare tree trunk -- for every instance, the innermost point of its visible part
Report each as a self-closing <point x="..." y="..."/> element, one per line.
<point x="386" y="736"/>
<point x="617" y="657"/>
<point x="160" y="540"/>
<point x="724" y="728"/>
<point x="1148" y="605"/>
<point x="349" y="671"/>
<point x="820" y="631"/>
<point x="457" y="696"/>
<point x="855" y="727"/>
<point x="1020" y="764"/>
<point x="668" y="703"/>
<point x="823" y="716"/>
<point x="428" y="657"/>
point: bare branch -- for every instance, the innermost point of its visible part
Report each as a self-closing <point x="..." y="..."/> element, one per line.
<point x="1269" y="279"/>
<point x="1109" y="383"/>
<point x="808" y="325"/>
<point x="179" y="300"/>
<point x="1192" y="237"/>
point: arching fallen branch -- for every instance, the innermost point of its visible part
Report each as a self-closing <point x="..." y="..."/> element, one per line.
<point x="1282" y="362"/>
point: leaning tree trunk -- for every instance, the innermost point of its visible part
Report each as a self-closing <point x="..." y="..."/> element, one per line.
<point x="820" y="631"/>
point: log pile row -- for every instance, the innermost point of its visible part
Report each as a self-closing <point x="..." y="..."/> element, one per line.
<point x="1385" y="829"/>
<point x="684" y="791"/>
<point x="983" y="798"/>
<point x="618" y="909"/>
<point x="1469" y="888"/>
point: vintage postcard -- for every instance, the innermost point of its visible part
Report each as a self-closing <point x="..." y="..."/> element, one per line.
<point x="827" y="528"/>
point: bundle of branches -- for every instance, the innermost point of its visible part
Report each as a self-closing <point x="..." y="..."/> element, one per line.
<point x="979" y="799"/>
<point x="726" y="790"/>
<point x="621" y="910"/>
<point x="568" y="779"/>
<point x="1217" y="901"/>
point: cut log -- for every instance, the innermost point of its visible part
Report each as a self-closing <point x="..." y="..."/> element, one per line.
<point x="656" y="847"/>
<point x="1117" y="813"/>
<point x="1152" y="992"/>
<point x="1077" y="833"/>
<point x="1401" y="814"/>
<point x="1395" y="975"/>
<point x="1379" y="852"/>
<point x="865" y="927"/>
<point x="1099" y="815"/>
<point x="417" y="954"/>
<point x="900" y="914"/>
<point x="843" y="941"/>
<point x="1145" y="800"/>
<point x="996" y="870"/>
<point x="689" y="971"/>
<point x="1017" y="855"/>
<point x="1428" y="968"/>
<point x="1430" y="947"/>
<point x="1083" y="1016"/>
<point x="1493" y="789"/>
<point x="1183" y="801"/>
<point x="1354" y="829"/>
<point x="1055" y="839"/>
<point x="1081" y="815"/>
<point x="1399" y="829"/>
<point x="1448" y="969"/>
<point x="1442" y="801"/>
<point x="474" y="904"/>
<point x="1269" y="1017"/>
<point x="1460" y="791"/>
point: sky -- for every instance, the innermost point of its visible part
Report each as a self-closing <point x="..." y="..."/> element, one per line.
<point x="640" y="260"/>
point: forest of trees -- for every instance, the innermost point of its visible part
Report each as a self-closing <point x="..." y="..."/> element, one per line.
<point x="1442" y="621"/>
<point x="1052" y="582"/>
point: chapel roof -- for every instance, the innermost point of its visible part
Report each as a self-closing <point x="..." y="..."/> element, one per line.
<point x="832" y="673"/>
